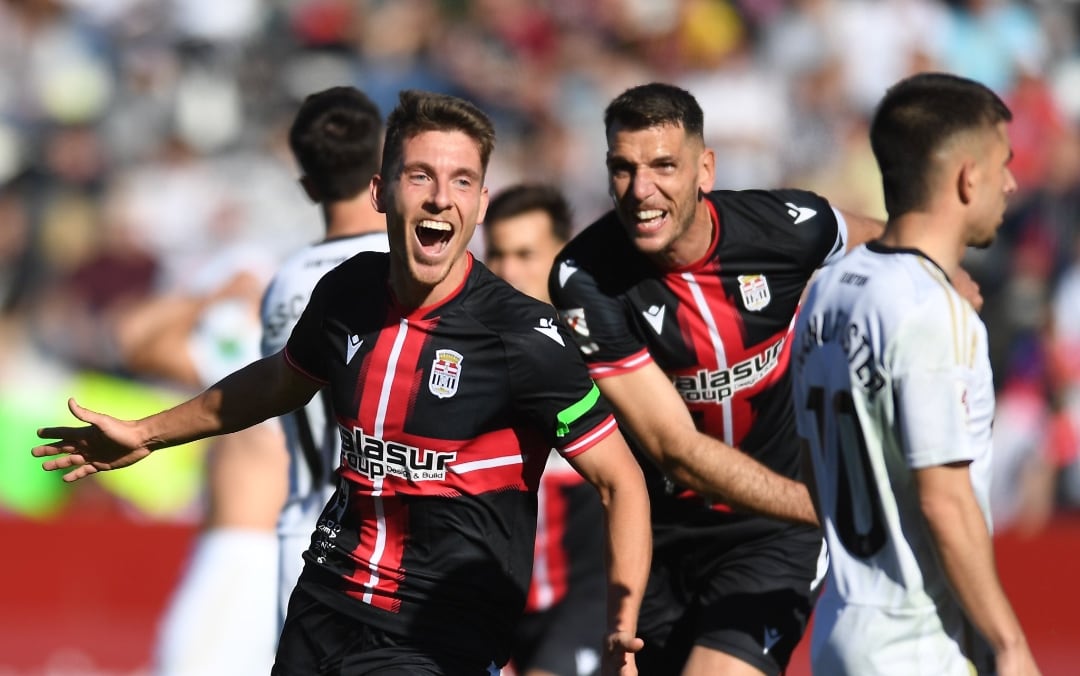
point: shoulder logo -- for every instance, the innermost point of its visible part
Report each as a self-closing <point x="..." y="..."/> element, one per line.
<point x="800" y="214"/>
<point x="445" y="373"/>
<point x="755" y="292"/>
<point x="566" y="271"/>
<point x="549" y="328"/>
<point x="655" y="316"/>
<point x="772" y="636"/>
<point x="352" y="344"/>
<point x="575" y="319"/>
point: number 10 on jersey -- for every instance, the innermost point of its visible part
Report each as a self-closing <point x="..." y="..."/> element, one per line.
<point x="848" y="491"/>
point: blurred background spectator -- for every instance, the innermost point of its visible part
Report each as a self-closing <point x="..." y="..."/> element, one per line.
<point x="142" y="154"/>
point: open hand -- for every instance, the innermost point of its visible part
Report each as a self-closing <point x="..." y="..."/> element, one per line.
<point x="106" y="443"/>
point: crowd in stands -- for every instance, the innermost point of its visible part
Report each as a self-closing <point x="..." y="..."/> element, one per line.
<point x="142" y="153"/>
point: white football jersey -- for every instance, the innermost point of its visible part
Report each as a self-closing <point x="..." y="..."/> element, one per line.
<point x="310" y="433"/>
<point x="891" y="373"/>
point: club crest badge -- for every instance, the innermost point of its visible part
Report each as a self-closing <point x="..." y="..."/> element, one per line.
<point x="755" y="292"/>
<point x="445" y="373"/>
<point x="574" y="318"/>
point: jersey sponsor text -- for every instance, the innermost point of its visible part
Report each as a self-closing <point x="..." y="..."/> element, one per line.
<point x="376" y="458"/>
<point x="717" y="385"/>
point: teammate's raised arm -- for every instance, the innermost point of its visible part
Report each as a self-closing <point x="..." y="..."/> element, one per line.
<point x="683" y="315"/>
<point x="265" y="388"/>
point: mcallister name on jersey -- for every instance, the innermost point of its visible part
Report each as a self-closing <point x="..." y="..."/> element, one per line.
<point x="376" y="458"/>
<point x="720" y="384"/>
<point x="836" y="328"/>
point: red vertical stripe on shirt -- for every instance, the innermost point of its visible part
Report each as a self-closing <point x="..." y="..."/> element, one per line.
<point x="551" y="567"/>
<point x="388" y="574"/>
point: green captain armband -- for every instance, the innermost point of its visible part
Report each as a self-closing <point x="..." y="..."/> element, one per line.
<point x="574" y="411"/>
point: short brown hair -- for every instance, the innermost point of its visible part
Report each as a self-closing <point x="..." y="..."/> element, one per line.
<point x="419" y="111"/>
<point x="917" y="116"/>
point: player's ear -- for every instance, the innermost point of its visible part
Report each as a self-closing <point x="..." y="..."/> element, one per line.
<point x="967" y="180"/>
<point x="706" y="171"/>
<point x="378" y="194"/>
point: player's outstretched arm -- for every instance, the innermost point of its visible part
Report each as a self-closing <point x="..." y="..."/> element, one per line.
<point x="262" y="389"/>
<point x="967" y="555"/>
<point x="657" y="417"/>
<point x="612" y="469"/>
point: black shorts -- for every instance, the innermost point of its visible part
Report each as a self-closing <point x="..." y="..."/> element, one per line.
<point x="316" y="639"/>
<point x="751" y="601"/>
<point x="566" y="638"/>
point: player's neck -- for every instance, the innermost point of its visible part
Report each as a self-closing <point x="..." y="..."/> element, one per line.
<point x="355" y="216"/>
<point x="935" y="236"/>
<point x="415" y="289"/>
<point x="691" y="246"/>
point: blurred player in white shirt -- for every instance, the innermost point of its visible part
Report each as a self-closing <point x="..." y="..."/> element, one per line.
<point x="336" y="138"/>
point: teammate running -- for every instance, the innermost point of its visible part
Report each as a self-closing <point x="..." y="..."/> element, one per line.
<point x="682" y="300"/>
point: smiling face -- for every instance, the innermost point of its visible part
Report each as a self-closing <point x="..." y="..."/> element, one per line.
<point x="432" y="205"/>
<point x="656" y="176"/>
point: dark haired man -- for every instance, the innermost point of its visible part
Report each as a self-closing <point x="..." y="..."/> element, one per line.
<point x="682" y="300"/>
<point x="894" y="399"/>
<point x="448" y="389"/>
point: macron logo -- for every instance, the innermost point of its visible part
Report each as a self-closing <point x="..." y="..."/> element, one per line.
<point x="800" y="214"/>
<point x="771" y="637"/>
<point x="655" y="316"/>
<point x="549" y="329"/>
<point x="566" y="271"/>
<point x="352" y="344"/>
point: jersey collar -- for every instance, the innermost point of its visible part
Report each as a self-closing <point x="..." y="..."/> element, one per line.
<point x="877" y="247"/>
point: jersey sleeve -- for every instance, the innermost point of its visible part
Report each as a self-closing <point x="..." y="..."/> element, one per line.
<point x="551" y="387"/>
<point x="817" y="231"/>
<point x="596" y="322"/>
<point x="939" y="376"/>
<point x="304" y="349"/>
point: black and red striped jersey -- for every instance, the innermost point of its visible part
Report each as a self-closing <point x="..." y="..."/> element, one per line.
<point x="447" y="415"/>
<point x="719" y="328"/>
